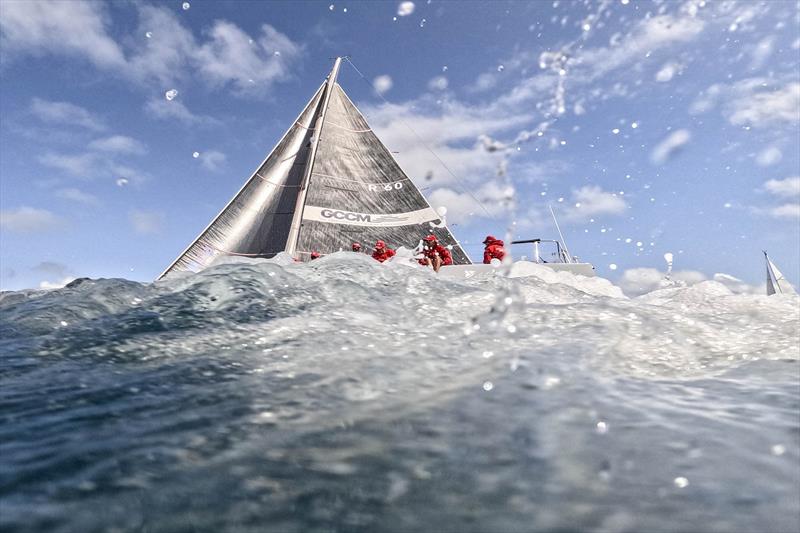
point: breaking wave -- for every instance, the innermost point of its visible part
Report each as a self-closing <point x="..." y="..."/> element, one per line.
<point x="348" y="395"/>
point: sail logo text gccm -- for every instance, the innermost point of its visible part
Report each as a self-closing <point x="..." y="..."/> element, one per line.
<point x="360" y="217"/>
<point x="345" y="215"/>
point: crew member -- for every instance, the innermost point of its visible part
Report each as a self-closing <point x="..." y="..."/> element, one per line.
<point x="315" y="255"/>
<point x="381" y="252"/>
<point x="494" y="249"/>
<point x="434" y="254"/>
<point x="357" y="247"/>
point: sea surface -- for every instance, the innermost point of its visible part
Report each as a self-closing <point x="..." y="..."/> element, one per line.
<point x="345" y="395"/>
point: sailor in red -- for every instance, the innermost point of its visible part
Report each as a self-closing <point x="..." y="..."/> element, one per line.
<point x="381" y="252"/>
<point x="435" y="255"/>
<point x="494" y="249"/>
<point x="357" y="247"/>
<point x="315" y="255"/>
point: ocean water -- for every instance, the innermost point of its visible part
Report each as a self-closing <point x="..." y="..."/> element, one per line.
<point x="344" y="395"/>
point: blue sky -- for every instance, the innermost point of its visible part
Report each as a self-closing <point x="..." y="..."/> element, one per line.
<point x="650" y="127"/>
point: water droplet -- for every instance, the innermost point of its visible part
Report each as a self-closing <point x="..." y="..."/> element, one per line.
<point x="587" y="27"/>
<point x="422" y="23"/>
<point x="577" y="204"/>
<point x="612" y="266"/>
<point x="64" y="323"/>
<point x="121" y="182"/>
<point x="331" y="7"/>
<point x="444" y="68"/>
<point x="602" y="427"/>
<point x="625" y="2"/>
<point x="628" y="240"/>
<point x="186" y="6"/>
<point x="639" y="244"/>
<point x="563" y="143"/>
<point x="171" y="94"/>
<point x="488" y="385"/>
<point x="196" y="154"/>
<point x="500" y="68"/>
<point x="405" y="9"/>
<point x="487" y="354"/>
<point x="149" y="35"/>
<point x="681" y="482"/>
<point x="276" y="53"/>
<point x="615" y="131"/>
<point x="778" y="449"/>
<point x="727" y="205"/>
<point x="634" y="125"/>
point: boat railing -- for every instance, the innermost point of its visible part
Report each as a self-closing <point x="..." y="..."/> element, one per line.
<point x="561" y="256"/>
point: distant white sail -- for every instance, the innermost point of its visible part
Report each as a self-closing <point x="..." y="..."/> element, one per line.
<point x="776" y="283"/>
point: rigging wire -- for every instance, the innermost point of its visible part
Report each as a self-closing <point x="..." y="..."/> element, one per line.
<point x="422" y="142"/>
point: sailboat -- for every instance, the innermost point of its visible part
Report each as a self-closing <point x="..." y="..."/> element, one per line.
<point x="328" y="182"/>
<point x="776" y="283"/>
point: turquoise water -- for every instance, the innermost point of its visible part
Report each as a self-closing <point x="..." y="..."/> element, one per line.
<point x="345" y="395"/>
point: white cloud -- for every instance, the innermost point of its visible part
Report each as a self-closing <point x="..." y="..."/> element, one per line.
<point x="76" y="195"/>
<point x="789" y="187"/>
<point x="146" y="222"/>
<point x="212" y="159"/>
<point x="55" y="284"/>
<point x="789" y="211"/>
<point x="670" y="146"/>
<point x="439" y="83"/>
<point x="590" y="201"/>
<point x="737" y="286"/>
<point x="667" y="72"/>
<point x="162" y="109"/>
<point x="61" y="28"/>
<point x="66" y="114"/>
<point x="382" y="83"/>
<point x="753" y="103"/>
<point x="648" y="35"/>
<point x="228" y="56"/>
<point x="638" y="281"/>
<point x="463" y="207"/>
<point x="118" y="144"/>
<point x="81" y="165"/>
<point x="231" y="56"/>
<point x="28" y="220"/>
<point x="769" y="156"/>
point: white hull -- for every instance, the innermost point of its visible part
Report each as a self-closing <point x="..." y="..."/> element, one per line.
<point x="518" y="269"/>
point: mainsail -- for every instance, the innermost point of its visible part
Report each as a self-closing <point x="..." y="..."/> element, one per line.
<point x="776" y="283"/>
<point x="328" y="183"/>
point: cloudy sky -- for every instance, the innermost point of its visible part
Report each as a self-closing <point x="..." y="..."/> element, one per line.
<point x="649" y="127"/>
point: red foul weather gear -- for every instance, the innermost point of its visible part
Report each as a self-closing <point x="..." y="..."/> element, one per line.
<point x="494" y="250"/>
<point x="382" y="254"/>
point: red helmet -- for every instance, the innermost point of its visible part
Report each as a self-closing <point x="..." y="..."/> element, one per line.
<point x="431" y="238"/>
<point x="315" y="255"/>
<point x="356" y="246"/>
<point x="488" y="239"/>
<point x="380" y="244"/>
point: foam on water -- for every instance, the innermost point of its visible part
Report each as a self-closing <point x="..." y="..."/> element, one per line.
<point x="347" y="395"/>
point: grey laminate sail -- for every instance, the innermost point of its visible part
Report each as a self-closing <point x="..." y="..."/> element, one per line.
<point x="256" y="222"/>
<point x="358" y="192"/>
<point x="329" y="182"/>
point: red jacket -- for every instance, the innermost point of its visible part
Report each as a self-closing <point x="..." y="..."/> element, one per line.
<point x="494" y="250"/>
<point x="441" y="251"/>
<point x="382" y="255"/>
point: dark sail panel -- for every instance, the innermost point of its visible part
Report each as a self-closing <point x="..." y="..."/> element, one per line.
<point x="256" y="222"/>
<point x="358" y="192"/>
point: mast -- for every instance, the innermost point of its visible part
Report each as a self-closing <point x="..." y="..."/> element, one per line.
<point x="294" y="230"/>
